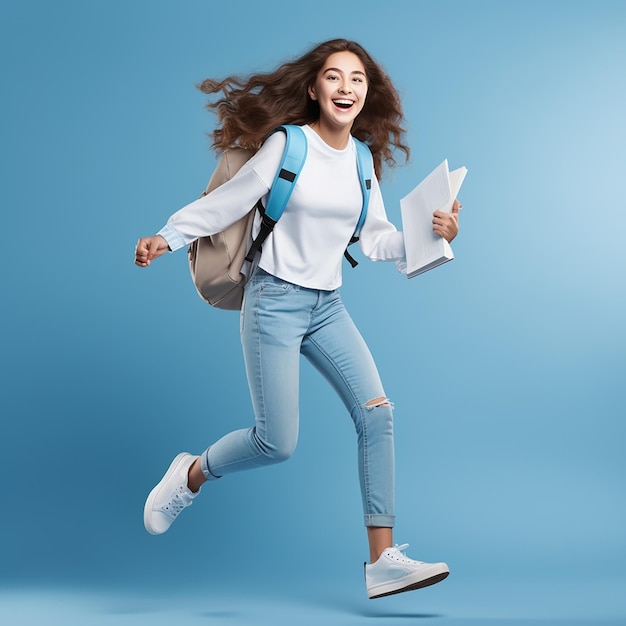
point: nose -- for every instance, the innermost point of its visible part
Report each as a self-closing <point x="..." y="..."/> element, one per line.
<point x="344" y="87"/>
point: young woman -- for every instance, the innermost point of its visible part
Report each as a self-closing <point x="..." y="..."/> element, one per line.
<point x="292" y="305"/>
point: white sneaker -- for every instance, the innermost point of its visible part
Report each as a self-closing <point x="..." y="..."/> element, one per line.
<point x="394" y="573"/>
<point x="170" y="496"/>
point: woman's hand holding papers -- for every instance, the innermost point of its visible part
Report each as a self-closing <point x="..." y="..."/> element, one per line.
<point x="446" y="224"/>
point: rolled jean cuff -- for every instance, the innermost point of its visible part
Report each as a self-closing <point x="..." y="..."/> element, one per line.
<point x="380" y="520"/>
<point x="204" y="464"/>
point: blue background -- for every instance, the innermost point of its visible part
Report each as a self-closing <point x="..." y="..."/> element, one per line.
<point x="506" y="366"/>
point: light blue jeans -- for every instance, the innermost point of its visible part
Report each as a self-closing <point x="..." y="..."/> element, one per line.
<point x="279" y="321"/>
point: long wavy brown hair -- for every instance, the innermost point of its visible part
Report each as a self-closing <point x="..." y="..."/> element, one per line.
<point x="250" y="108"/>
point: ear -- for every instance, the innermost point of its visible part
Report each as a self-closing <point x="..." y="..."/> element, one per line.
<point x="312" y="93"/>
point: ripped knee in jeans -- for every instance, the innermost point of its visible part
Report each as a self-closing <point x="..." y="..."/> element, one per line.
<point x="378" y="402"/>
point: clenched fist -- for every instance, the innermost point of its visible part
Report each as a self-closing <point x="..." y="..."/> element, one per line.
<point x="149" y="248"/>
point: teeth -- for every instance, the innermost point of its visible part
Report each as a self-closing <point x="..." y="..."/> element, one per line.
<point x="348" y="102"/>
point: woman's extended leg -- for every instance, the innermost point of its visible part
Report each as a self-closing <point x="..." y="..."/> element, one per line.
<point x="337" y="350"/>
<point x="335" y="347"/>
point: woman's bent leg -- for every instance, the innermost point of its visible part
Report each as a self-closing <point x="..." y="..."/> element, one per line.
<point x="271" y="333"/>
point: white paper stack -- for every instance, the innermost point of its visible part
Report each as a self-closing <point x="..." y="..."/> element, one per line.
<point x="424" y="249"/>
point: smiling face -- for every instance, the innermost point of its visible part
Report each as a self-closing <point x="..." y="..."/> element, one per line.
<point x="340" y="89"/>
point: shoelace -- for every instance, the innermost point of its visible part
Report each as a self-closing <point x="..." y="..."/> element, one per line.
<point x="400" y="550"/>
<point x="179" y="501"/>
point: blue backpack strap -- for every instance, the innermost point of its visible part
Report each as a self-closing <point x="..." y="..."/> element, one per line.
<point x="366" y="170"/>
<point x="285" y="179"/>
<point x="288" y="171"/>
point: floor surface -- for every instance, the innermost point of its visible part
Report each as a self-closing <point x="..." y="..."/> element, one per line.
<point x="454" y="602"/>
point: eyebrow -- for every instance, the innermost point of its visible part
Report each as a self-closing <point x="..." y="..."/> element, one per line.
<point x="336" y="69"/>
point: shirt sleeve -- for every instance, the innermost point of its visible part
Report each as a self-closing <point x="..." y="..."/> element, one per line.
<point x="229" y="202"/>
<point x="379" y="239"/>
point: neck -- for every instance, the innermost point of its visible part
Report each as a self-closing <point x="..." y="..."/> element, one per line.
<point x="335" y="137"/>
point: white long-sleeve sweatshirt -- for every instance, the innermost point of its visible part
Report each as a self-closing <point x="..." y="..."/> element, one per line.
<point x="307" y="244"/>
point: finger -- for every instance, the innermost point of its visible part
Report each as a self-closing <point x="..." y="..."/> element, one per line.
<point x="141" y="260"/>
<point x="141" y="253"/>
<point x="142" y="246"/>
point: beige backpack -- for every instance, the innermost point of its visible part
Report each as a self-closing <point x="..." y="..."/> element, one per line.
<point x="215" y="262"/>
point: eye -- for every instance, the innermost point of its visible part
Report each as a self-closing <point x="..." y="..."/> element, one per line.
<point x="332" y="77"/>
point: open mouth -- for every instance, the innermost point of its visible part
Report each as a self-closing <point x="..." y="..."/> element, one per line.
<point x="343" y="104"/>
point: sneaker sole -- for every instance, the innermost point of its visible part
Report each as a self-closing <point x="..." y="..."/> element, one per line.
<point x="388" y="590"/>
<point x="147" y="509"/>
